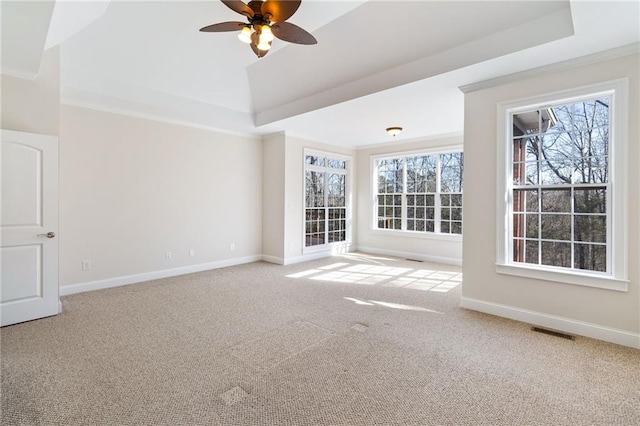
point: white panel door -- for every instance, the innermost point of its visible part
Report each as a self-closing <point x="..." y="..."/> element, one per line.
<point x="28" y="227"/>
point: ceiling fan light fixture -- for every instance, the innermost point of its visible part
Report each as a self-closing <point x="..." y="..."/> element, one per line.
<point x="264" y="45"/>
<point x="394" y="131"/>
<point x="245" y="35"/>
<point x="266" y="34"/>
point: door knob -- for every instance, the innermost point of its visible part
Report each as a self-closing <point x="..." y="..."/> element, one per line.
<point x="48" y="235"/>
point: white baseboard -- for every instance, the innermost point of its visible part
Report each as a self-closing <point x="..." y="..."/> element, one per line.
<point x="273" y="259"/>
<point x="306" y="257"/>
<point x="147" y="276"/>
<point x="410" y="255"/>
<point x="566" y="325"/>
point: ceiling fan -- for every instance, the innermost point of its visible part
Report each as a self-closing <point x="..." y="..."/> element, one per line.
<point x="266" y="20"/>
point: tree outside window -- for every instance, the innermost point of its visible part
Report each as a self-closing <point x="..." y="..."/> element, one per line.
<point x="420" y="193"/>
<point x="561" y="185"/>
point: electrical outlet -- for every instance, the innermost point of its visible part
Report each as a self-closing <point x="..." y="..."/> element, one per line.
<point x="167" y="255"/>
<point x="232" y="247"/>
<point x="86" y="265"/>
<point x="192" y="252"/>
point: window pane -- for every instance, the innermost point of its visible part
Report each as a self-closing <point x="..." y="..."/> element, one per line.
<point x="421" y="174"/>
<point x="591" y="257"/>
<point x="525" y="149"/>
<point x="590" y="114"/>
<point x="526" y="225"/>
<point x="590" y="228"/>
<point x="531" y="251"/>
<point x="456" y="227"/>
<point x="525" y="123"/>
<point x="518" y="225"/>
<point x="532" y="222"/>
<point x="313" y="160"/>
<point x="525" y="200"/>
<point x="314" y="189"/>
<point x="451" y="170"/>
<point x="556" y="227"/>
<point x="525" y="173"/>
<point x="556" y="200"/>
<point x="430" y="213"/>
<point x="590" y="200"/>
<point x="390" y="175"/>
<point x="336" y="164"/>
<point x="591" y="170"/>
<point x="556" y="254"/>
<point x="336" y="187"/>
<point x="557" y="146"/>
<point x="556" y="172"/>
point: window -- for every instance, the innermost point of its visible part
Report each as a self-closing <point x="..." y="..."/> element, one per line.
<point x="420" y="193"/>
<point x="559" y="188"/>
<point x="326" y="201"/>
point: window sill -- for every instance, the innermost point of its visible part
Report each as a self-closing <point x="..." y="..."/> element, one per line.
<point x="576" y="278"/>
<point x="420" y="235"/>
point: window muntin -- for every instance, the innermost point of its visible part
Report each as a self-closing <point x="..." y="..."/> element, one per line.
<point x="326" y="201"/>
<point x="560" y="185"/>
<point x="419" y="193"/>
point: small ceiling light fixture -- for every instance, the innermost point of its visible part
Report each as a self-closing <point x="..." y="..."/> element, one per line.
<point x="394" y="131"/>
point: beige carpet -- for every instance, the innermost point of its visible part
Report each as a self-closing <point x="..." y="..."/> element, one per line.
<point x="352" y="340"/>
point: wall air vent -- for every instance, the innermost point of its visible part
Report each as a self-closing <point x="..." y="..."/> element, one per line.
<point x="553" y="333"/>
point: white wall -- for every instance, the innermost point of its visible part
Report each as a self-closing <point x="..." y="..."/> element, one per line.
<point x="445" y="248"/>
<point x="273" y="194"/>
<point x="34" y="105"/>
<point x="133" y="189"/>
<point x="606" y="314"/>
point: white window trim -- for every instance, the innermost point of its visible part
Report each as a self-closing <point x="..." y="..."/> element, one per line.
<point x="374" y="185"/>
<point x="617" y="278"/>
<point x="348" y="172"/>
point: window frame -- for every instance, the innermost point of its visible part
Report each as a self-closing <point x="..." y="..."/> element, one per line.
<point x="373" y="225"/>
<point x="347" y="172"/>
<point x="617" y="241"/>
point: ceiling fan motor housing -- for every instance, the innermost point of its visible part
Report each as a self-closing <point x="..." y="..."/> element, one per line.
<point x="256" y="6"/>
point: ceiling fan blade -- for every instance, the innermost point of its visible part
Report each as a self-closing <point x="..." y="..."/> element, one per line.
<point x="280" y="10"/>
<point x="238" y="6"/>
<point x="292" y="33"/>
<point x="223" y="26"/>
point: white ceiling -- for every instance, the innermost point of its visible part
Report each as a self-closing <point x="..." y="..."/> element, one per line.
<point x="377" y="63"/>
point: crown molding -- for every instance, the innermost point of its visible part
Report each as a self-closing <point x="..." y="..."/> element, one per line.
<point x="116" y="105"/>
<point x="606" y="55"/>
